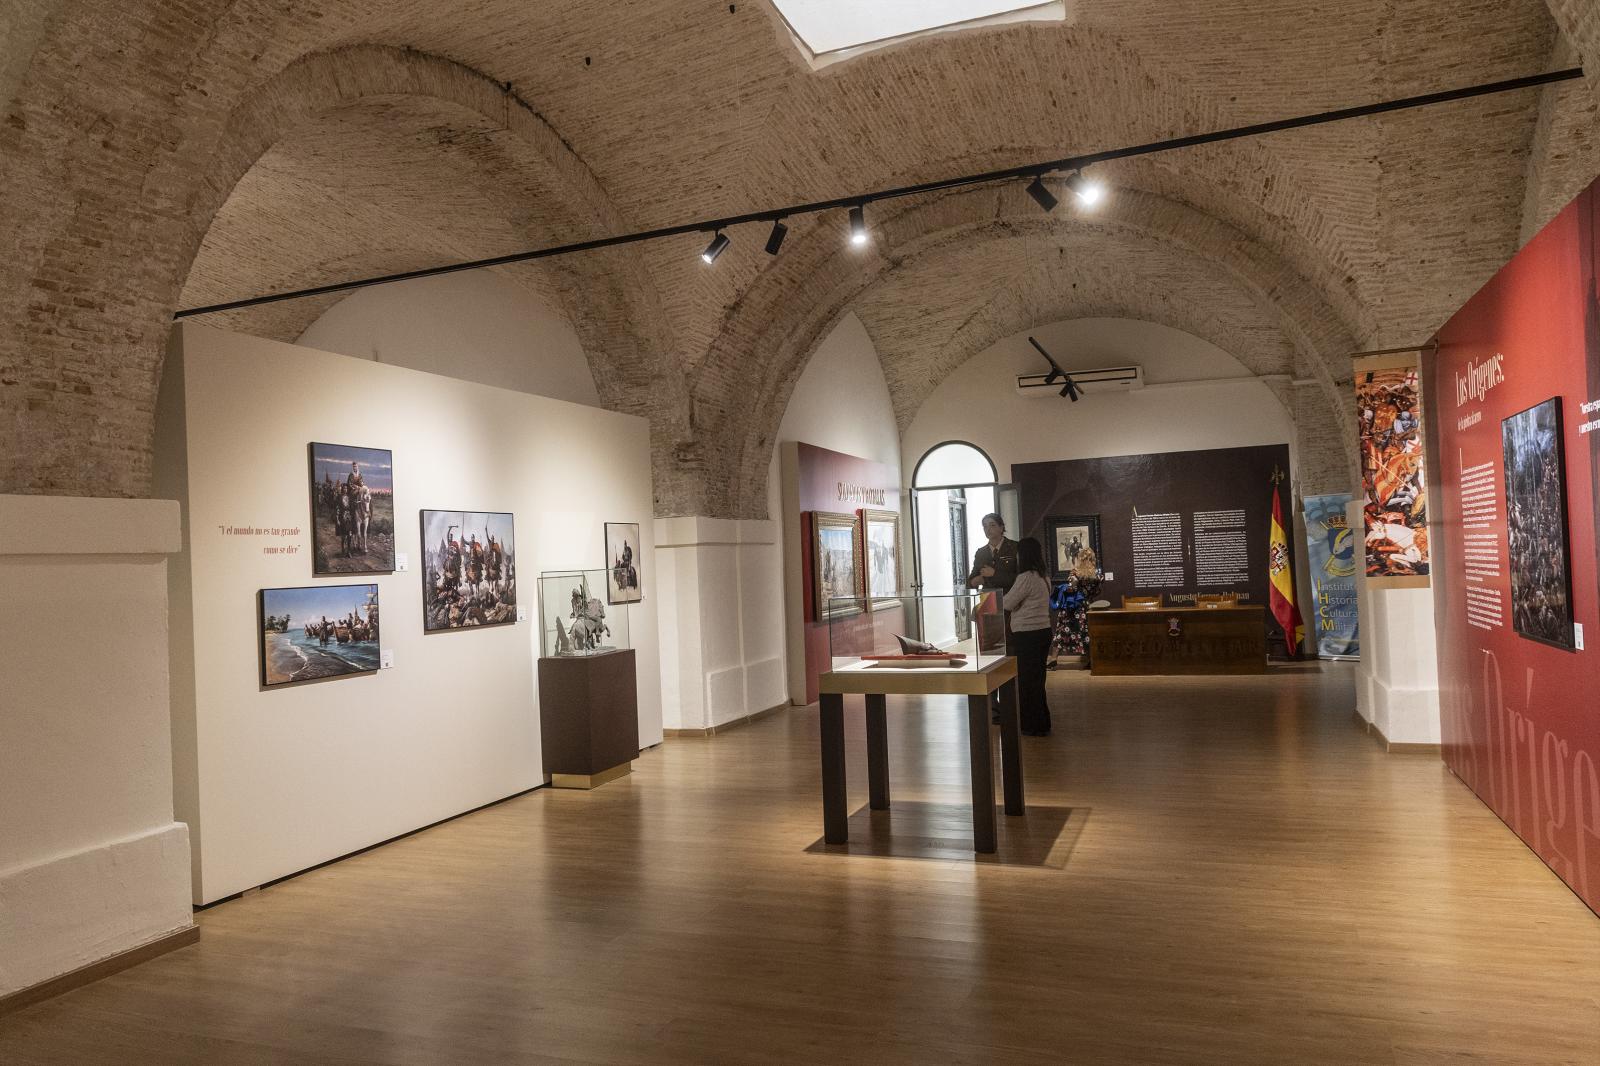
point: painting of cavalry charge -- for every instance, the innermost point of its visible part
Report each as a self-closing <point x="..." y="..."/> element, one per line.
<point x="352" y="509"/>
<point x="469" y="572"/>
<point x="1536" y="525"/>
<point x="318" y="632"/>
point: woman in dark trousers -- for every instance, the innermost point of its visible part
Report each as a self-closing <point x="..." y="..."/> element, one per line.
<point x="1028" y="606"/>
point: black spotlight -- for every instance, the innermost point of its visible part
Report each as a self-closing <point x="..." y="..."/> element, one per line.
<point x="775" y="238"/>
<point x="1041" y="195"/>
<point x="1070" y="389"/>
<point x="858" y="225"/>
<point x="718" y="244"/>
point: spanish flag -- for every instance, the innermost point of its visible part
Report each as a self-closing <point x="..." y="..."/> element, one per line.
<point x="1282" y="572"/>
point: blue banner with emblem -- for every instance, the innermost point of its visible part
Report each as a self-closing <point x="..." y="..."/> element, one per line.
<point x="1334" y="560"/>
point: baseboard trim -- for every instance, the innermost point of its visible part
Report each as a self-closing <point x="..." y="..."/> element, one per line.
<point x="86" y="975"/>
<point x="1397" y="747"/>
<point x="711" y="731"/>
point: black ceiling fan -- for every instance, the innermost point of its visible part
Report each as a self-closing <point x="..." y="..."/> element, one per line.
<point x="1070" y="390"/>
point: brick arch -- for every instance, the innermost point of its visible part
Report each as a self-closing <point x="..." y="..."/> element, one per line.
<point x="947" y="231"/>
<point x="536" y="188"/>
<point x="906" y="118"/>
<point x="85" y="419"/>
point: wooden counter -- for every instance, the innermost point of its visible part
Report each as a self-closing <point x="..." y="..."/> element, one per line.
<point x="1209" y="640"/>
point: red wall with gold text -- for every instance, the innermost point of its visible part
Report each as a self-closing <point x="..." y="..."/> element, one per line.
<point x="1521" y="719"/>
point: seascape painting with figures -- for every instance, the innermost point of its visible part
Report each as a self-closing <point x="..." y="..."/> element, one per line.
<point x="352" y="509"/>
<point x="318" y="632"/>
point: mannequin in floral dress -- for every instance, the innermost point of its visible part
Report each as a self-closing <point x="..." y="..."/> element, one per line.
<point x="1069" y="603"/>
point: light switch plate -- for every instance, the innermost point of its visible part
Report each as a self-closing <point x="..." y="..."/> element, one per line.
<point x="522" y="613"/>
<point x="401" y="562"/>
<point x="1577" y="635"/>
<point x="385" y="659"/>
<point x="1110" y="576"/>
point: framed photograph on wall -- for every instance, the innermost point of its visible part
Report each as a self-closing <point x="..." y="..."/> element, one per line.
<point x="623" y="584"/>
<point x="1536" y="524"/>
<point x="469" y="570"/>
<point x="835" y="567"/>
<point x="317" y="632"/>
<point x="1066" y="537"/>
<point x="352" y="509"/>
<point x="880" y="557"/>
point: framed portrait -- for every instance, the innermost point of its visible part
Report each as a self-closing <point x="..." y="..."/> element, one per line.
<point x="880" y="557"/>
<point x="318" y="632"/>
<point x="1066" y="538"/>
<point x="835" y="567"/>
<point x="623" y="584"/>
<point x="1536" y="525"/>
<point x="352" y="509"/>
<point x="469" y="570"/>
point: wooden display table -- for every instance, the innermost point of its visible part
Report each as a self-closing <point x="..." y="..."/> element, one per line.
<point x="588" y="717"/>
<point x="875" y="683"/>
<point x="1209" y="640"/>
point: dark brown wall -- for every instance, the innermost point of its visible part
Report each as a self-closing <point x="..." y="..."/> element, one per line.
<point x="1212" y="480"/>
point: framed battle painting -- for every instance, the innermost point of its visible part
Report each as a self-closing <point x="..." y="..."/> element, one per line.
<point x="1067" y="538"/>
<point x="623" y="584"/>
<point x="352" y="509"/>
<point x="880" y="557"/>
<point x="469" y="570"/>
<point x="835" y="568"/>
<point x="318" y="632"/>
<point x="1540" y="558"/>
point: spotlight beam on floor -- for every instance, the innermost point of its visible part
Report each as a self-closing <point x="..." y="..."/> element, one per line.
<point x="1033" y="170"/>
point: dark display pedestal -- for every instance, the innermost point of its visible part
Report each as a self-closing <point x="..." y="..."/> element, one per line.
<point x="589" y="717"/>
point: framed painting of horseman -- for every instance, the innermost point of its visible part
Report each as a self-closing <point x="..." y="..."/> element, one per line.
<point x="352" y="509"/>
<point x="469" y="570"/>
<point x="622" y="563"/>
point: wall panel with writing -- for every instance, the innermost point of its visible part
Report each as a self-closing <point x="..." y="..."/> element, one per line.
<point x="1173" y="523"/>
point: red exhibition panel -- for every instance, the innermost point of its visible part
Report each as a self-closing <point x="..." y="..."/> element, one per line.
<point x="1520" y="700"/>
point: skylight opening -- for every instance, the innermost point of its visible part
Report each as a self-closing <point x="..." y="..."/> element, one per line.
<point x="827" y="31"/>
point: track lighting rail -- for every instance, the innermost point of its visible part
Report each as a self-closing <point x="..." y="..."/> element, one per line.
<point x="1074" y="165"/>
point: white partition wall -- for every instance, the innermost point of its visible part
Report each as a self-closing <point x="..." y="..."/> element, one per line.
<point x="273" y="781"/>
<point x="92" y="863"/>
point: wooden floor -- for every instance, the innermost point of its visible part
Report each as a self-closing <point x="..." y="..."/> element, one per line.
<point x="1230" y="871"/>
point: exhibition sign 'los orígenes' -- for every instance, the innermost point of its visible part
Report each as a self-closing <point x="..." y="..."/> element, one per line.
<point x="1514" y="453"/>
<point x="1331" y="545"/>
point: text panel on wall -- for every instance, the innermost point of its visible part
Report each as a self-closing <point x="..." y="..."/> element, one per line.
<point x="1514" y="456"/>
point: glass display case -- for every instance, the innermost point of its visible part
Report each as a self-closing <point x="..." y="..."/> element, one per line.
<point x="963" y="630"/>
<point x="574" y="618"/>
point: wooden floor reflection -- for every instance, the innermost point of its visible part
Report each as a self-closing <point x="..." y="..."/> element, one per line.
<point x="925" y="830"/>
<point x="1247" y="878"/>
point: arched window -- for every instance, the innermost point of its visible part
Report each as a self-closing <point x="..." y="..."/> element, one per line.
<point x="952" y="488"/>
<point x="955" y="462"/>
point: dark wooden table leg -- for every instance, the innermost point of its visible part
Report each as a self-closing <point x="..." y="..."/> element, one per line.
<point x="878" y="751"/>
<point x="1011" y="749"/>
<point x="835" y="815"/>
<point x="983" y="824"/>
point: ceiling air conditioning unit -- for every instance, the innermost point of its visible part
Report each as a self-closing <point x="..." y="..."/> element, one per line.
<point x="1111" y="377"/>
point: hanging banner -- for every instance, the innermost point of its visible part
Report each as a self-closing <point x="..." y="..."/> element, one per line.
<point x="1394" y="487"/>
<point x="1331" y="548"/>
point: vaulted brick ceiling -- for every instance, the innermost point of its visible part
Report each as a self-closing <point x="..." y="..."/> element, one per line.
<point x="157" y="155"/>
